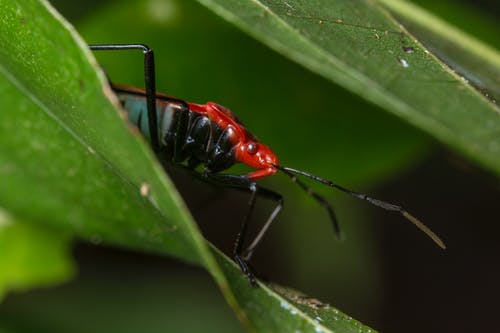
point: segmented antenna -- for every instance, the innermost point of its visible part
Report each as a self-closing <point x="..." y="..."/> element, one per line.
<point x="290" y="172"/>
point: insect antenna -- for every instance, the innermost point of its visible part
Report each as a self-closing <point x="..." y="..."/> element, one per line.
<point x="290" y="172"/>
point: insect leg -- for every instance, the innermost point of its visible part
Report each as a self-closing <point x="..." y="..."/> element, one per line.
<point x="243" y="183"/>
<point x="322" y="201"/>
<point x="278" y="199"/>
<point x="150" y="82"/>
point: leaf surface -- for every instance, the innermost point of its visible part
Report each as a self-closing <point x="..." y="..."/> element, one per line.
<point x="361" y="46"/>
<point x="68" y="159"/>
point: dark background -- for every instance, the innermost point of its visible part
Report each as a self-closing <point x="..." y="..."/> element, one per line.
<point x="383" y="273"/>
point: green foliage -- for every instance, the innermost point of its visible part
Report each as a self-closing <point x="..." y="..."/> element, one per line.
<point x="59" y="164"/>
<point x="359" y="45"/>
<point x="70" y="165"/>
<point x="199" y="57"/>
<point x="31" y="255"/>
<point x="85" y="183"/>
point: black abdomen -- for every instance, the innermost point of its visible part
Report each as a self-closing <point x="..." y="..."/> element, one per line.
<point x="185" y="135"/>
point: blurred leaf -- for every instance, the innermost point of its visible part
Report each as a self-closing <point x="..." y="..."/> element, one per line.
<point x="473" y="18"/>
<point x="120" y="292"/>
<point x="31" y="256"/>
<point x="360" y="46"/>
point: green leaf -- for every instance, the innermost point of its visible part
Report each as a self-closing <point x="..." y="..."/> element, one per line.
<point x="70" y="162"/>
<point x="101" y="167"/>
<point x="359" y="45"/>
<point x="67" y="158"/>
<point x="271" y="94"/>
<point x="475" y="62"/>
<point x="237" y="80"/>
<point x="272" y="308"/>
<point x="31" y="255"/>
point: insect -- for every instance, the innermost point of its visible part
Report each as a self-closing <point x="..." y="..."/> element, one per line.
<point x="191" y="135"/>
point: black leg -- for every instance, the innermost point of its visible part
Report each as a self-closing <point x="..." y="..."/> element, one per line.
<point x="150" y="82"/>
<point x="278" y="199"/>
<point x="322" y="201"/>
<point x="241" y="257"/>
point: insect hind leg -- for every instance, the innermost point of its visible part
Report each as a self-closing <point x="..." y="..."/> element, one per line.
<point x="149" y="80"/>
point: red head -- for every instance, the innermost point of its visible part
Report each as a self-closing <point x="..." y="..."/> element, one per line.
<point x="247" y="148"/>
<point x="258" y="156"/>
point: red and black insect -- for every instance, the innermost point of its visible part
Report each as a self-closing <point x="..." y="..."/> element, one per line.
<point x="191" y="135"/>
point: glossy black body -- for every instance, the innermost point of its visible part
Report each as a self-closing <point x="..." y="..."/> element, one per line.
<point x="187" y="136"/>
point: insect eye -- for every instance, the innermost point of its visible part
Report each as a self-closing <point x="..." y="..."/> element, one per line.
<point x="252" y="148"/>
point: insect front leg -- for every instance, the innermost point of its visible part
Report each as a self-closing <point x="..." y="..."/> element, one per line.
<point x="242" y="256"/>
